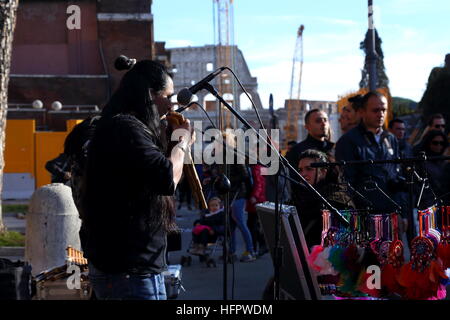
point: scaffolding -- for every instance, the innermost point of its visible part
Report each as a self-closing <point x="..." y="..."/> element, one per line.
<point x="293" y="104"/>
<point x="225" y="55"/>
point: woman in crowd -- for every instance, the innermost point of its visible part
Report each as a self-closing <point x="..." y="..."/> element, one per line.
<point x="434" y="144"/>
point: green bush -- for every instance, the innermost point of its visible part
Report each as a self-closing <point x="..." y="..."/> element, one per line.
<point x="14" y="208"/>
<point x="12" y="239"/>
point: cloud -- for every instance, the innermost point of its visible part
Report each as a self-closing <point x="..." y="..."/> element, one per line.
<point x="329" y="78"/>
<point x="333" y="63"/>
<point x="321" y="80"/>
<point x="408" y="72"/>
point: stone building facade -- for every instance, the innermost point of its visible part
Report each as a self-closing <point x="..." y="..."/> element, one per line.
<point x="194" y="63"/>
<point x="51" y="62"/>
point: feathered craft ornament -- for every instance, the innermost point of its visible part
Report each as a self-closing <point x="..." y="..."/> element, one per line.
<point x="390" y="271"/>
<point x="443" y="249"/>
<point x="423" y="276"/>
<point x="318" y="258"/>
<point x="375" y="253"/>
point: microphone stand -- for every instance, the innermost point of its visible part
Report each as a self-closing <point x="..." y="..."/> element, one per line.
<point x="367" y="201"/>
<point x="225" y="172"/>
<point x="277" y="250"/>
<point x="222" y="186"/>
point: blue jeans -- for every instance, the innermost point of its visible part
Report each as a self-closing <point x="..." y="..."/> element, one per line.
<point x="237" y="211"/>
<point x="123" y="286"/>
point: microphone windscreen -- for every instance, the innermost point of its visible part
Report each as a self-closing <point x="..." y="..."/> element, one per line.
<point x="123" y="63"/>
<point x="318" y="165"/>
<point x="184" y="97"/>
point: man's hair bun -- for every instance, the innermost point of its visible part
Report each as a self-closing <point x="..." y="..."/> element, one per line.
<point x="124" y="63"/>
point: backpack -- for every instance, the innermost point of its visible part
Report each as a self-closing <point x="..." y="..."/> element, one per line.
<point x="76" y="148"/>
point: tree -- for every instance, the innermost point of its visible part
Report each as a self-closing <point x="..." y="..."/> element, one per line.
<point x="8" y="10"/>
<point x="382" y="79"/>
<point x="403" y="106"/>
<point x="436" y="98"/>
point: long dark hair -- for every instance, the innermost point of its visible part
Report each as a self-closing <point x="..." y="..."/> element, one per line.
<point x="429" y="137"/>
<point x="133" y="94"/>
<point x="133" y="97"/>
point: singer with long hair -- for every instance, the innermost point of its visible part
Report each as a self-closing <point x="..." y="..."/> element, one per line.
<point x="127" y="206"/>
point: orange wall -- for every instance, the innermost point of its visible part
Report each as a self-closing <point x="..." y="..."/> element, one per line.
<point x="48" y="146"/>
<point x="19" y="147"/>
<point x="28" y="151"/>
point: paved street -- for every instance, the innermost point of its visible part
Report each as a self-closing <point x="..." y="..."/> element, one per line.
<point x="199" y="281"/>
<point x="203" y="283"/>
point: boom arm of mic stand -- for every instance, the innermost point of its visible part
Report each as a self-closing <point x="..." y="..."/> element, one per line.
<point x="283" y="160"/>
<point x="376" y="187"/>
<point x="348" y="185"/>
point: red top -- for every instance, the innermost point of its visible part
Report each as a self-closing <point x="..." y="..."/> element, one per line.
<point x="259" y="188"/>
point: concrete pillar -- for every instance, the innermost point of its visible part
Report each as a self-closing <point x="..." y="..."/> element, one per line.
<point x="52" y="225"/>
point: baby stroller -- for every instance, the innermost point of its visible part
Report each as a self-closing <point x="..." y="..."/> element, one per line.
<point x="207" y="237"/>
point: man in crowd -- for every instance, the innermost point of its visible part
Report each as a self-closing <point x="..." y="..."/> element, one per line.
<point x="368" y="141"/>
<point x="397" y="128"/>
<point x="349" y="115"/>
<point x="318" y="127"/>
<point x="437" y="122"/>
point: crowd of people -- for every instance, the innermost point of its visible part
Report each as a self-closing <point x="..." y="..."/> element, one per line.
<point x="368" y="185"/>
<point x="247" y="188"/>
<point x="124" y="174"/>
<point x="382" y="188"/>
<point x="349" y="187"/>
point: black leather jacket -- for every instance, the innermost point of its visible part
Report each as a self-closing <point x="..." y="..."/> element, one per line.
<point x="127" y="176"/>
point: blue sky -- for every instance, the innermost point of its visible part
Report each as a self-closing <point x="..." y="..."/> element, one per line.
<point x="415" y="36"/>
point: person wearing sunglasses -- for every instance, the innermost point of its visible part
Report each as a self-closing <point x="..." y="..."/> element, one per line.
<point x="434" y="144"/>
<point x="437" y="122"/>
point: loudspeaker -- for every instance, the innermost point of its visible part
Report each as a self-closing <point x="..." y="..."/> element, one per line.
<point x="297" y="279"/>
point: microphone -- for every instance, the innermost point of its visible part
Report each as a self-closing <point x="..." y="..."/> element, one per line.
<point x="320" y="165"/>
<point x="124" y="63"/>
<point x="185" y="94"/>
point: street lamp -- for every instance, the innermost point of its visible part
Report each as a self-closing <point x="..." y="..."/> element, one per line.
<point x="37" y="104"/>
<point x="56" y="105"/>
<point x="371" y="53"/>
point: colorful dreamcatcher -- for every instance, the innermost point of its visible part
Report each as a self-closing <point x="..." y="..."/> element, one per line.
<point x="443" y="249"/>
<point x="424" y="276"/>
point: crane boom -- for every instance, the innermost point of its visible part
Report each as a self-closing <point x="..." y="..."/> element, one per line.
<point x="293" y="104"/>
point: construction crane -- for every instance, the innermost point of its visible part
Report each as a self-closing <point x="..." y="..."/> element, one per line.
<point x="293" y="105"/>
<point x="225" y="56"/>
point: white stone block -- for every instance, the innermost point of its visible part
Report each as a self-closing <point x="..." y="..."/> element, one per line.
<point x="52" y="225"/>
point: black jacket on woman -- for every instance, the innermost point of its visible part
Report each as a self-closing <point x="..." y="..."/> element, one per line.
<point x="127" y="176"/>
<point x="434" y="170"/>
